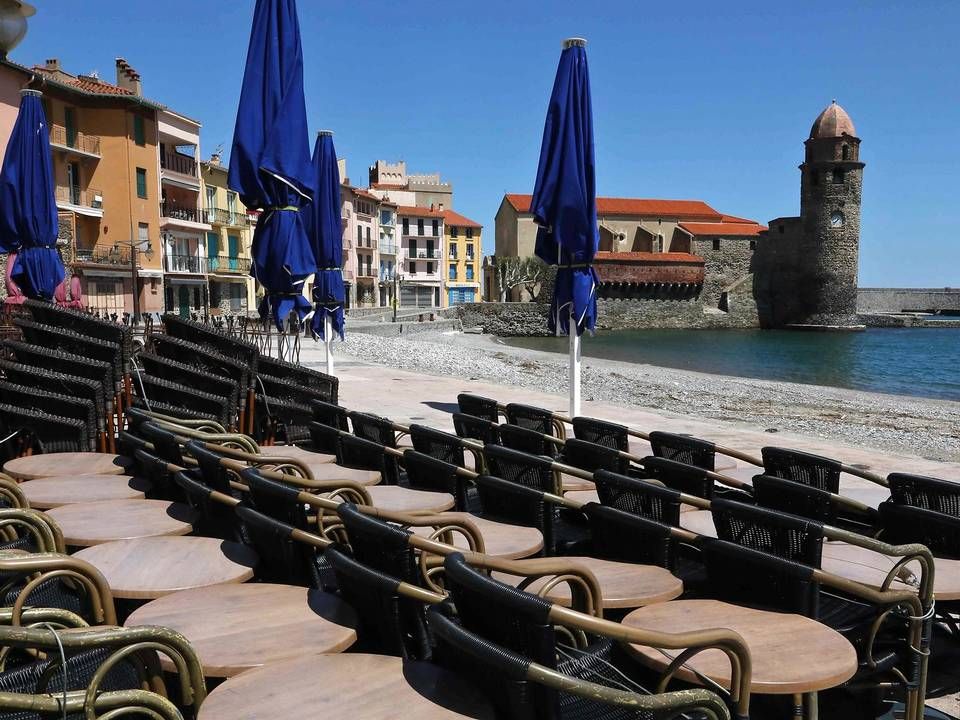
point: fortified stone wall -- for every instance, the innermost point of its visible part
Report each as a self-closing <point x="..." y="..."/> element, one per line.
<point x="894" y="300"/>
<point x="729" y="263"/>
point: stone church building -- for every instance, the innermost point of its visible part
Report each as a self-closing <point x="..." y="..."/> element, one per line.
<point x="681" y="263"/>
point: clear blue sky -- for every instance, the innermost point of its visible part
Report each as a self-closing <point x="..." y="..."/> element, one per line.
<point x="697" y="99"/>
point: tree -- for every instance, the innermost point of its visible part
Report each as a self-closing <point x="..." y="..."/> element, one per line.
<point x="510" y="272"/>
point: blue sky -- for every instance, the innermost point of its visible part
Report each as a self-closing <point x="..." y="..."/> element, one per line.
<point x="702" y="100"/>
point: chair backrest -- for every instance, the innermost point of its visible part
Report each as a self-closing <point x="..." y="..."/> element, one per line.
<point x="624" y="537"/>
<point x="192" y="377"/>
<point x="300" y="375"/>
<point x="52" y="403"/>
<point x="274" y="499"/>
<point x="155" y="469"/>
<point x="437" y="444"/>
<point x="776" y="533"/>
<point x="592" y="457"/>
<point x="637" y="497"/>
<point x="165" y="444"/>
<point x="73" y="342"/>
<point x="330" y="414"/>
<point x="601" y="432"/>
<point x="284" y="420"/>
<point x="56" y="382"/>
<point x="928" y="493"/>
<point x="214" y="519"/>
<point x="514" y="504"/>
<point x="530" y="417"/>
<point x="684" y="449"/>
<point x="527" y="441"/>
<point x="427" y="473"/>
<point x="363" y="454"/>
<point x="212" y="471"/>
<point x="60" y="361"/>
<point x="219" y="407"/>
<point x="519" y="467"/>
<point x="477" y="428"/>
<point x="380" y="545"/>
<point x="902" y="524"/>
<point x="32" y="429"/>
<point x="792" y="497"/>
<point x="688" y="479"/>
<point x="814" y="470"/>
<point x="213" y="340"/>
<point x="281" y="558"/>
<point x="374" y="428"/>
<point x="746" y="576"/>
<point x="325" y="438"/>
<point x="480" y="407"/>
<point x="389" y="623"/>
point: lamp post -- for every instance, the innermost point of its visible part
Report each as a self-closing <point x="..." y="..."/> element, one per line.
<point x="397" y="282"/>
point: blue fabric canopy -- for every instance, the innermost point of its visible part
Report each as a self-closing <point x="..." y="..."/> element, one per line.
<point x="325" y="231"/>
<point x="28" y="207"/>
<point x="270" y="159"/>
<point x="564" y="201"/>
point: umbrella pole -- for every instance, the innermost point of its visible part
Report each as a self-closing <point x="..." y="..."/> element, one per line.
<point x="328" y="341"/>
<point x="574" y="367"/>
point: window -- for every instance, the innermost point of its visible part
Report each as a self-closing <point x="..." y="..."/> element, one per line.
<point x="359" y="236"/>
<point x="232" y="207"/>
<point x="716" y="243"/>
<point x="436" y="228"/>
<point x="420" y="226"/>
<point x="70" y="126"/>
<point x="469" y="251"/>
<point x="238" y="297"/>
<point x="413" y="248"/>
<point x="368" y="236"/>
<point x="406" y="226"/>
<point x="838" y="176"/>
<point x="469" y="272"/>
<point x="453" y="230"/>
<point x="142" y="183"/>
<point x="211" y="199"/>
<point x="143" y="237"/>
<point x="469" y="232"/>
<point x="453" y="271"/>
<point x="105" y="295"/>
<point x="453" y="251"/>
<point x="429" y="268"/>
<point x="845" y="152"/>
<point x="413" y="268"/>
<point x="139" y="131"/>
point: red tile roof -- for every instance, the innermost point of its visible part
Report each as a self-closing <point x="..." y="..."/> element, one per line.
<point x="98" y="88"/>
<point x="603" y="256"/>
<point x="388" y="186"/>
<point x="364" y="194"/>
<point x="452" y="218"/>
<point x="691" y="209"/>
<point x="724" y="228"/>
<point x="410" y="211"/>
<point x="735" y="219"/>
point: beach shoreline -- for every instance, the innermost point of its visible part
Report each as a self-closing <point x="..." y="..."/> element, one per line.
<point x="928" y="428"/>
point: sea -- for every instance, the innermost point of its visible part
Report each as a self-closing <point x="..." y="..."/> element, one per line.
<point x="923" y="362"/>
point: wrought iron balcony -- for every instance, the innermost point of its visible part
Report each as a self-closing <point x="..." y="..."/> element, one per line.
<point x="178" y="163"/>
<point x="219" y="216"/>
<point x="101" y="255"/>
<point x="72" y="140"/>
<point x="74" y="195"/>
<point x="184" y="264"/>
<point x="181" y="212"/>
<point x="227" y="264"/>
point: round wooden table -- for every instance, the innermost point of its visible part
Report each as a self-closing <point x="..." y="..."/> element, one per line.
<point x="326" y="472"/>
<point x="237" y="627"/>
<point x="623" y="585"/>
<point x="308" y="457"/>
<point x="499" y="539"/>
<point x="790" y="653"/>
<point x="85" y="524"/>
<point x="356" y="686"/>
<point x="148" y="568"/>
<point x="400" y="499"/>
<point x="50" y="492"/>
<point x="72" y="463"/>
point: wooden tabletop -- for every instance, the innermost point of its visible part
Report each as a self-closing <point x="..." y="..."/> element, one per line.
<point x="399" y="499"/>
<point x="324" y="472"/>
<point x="292" y="451"/>
<point x="574" y="484"/>
<point x="237" y="627"/>
<point x="73" y="463"/>
<point x="147" y="568"/>
<point x="871" y="496"/>
<point x="354" y="685"/>
<point x="790" y="653"/>
<point x="623" y="585"/>
<point x="500" y="539"/>
<point x="51" y="492"/>
<point x="86" y="524"/>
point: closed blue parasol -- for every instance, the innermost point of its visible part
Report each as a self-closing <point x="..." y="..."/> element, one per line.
<point x="270" y="159"/>
<point x="28" y="208"/>
<point x="564" y="205"/>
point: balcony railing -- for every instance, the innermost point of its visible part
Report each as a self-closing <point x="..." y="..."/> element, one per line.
<point x="366" y="271"/>
<point x="181" y="212"/>
<point x="74" y="140"/>
<point x="387" y="275"/>
<point x="388" y="248"/>
<point x="184" y="264"/>
<point x="89" y="198"/>
<point x="428" y="233"/>
<point x="227" y="264"/>
<point x="219" y="216"/>
<point x="179" y="163"/>
<point x="426" y="254"/>
<point x="119" y="255"/>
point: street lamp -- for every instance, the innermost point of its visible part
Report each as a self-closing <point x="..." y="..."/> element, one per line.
<point x="146" y="247"/>
<point x="397" y="282"/>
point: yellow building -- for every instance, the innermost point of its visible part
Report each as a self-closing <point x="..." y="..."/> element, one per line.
<point x="462" y="253"/>
<point x="228" y="244"/>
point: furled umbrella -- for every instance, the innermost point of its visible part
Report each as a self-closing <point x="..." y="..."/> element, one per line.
<point x="270" y="159"/>
<point x="325" y="229"/>
<point x="28" y="207"/>
<point x="564" y="205"/>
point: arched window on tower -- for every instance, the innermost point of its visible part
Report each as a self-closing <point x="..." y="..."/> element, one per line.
<point x="845" y="152"/>
<point x="838" y="175"/>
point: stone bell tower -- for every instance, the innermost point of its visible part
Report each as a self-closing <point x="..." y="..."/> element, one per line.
<point x="828" y="252"/>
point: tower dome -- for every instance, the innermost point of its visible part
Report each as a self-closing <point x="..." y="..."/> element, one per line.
<point x="833" y="122"/>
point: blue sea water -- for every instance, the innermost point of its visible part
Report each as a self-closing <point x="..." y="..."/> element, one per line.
<point x="905" y="361"/>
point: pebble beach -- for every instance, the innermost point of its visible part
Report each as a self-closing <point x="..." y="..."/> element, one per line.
<point x="923" y="427"/>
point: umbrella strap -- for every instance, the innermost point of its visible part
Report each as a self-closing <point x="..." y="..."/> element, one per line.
<point x="290" y="208"/>
<point x="577" y="266"/>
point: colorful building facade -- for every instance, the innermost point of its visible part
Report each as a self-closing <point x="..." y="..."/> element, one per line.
<point x="463" y="250"/>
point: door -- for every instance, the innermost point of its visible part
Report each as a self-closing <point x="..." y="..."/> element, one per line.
<point x="213" y="250"/>
<point x="233" y="249"/>
<point x="70" y="126"/>
<point x="73" y="182"/>
<point x="183" y="301"/>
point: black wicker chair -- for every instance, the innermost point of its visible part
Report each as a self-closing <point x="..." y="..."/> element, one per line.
<point x="282" y="558"/>
<point x="192" y="377"/>
<point x="425" y="472"/>
<point x="625" y="537"/>
<point x="684" y="449"/>
<point x="275" y="499"/>
<point x="476" y="428"/>
<point x="814" y="470"/>
<point x="330" y="414"/>
<point x="534" y="418"/>
<point x="601" y="432"/>
<point x="175" y="395"/>
<point x="283" y="421"/>
<point x="788" y="496"/>
<point x="518" y="467"/>
<point x="213" y="472"/>
<point x="213" y="518"/>
<point x="73" y="342"/>
<point x="775" y="533"/>
<point x="325" y="438"/>
<point x="54" y="404"/>
<point x="591" y="457"/>
<point x="360" y="454"/>
<point x="479" y="407"/>
<point x="288" y="390"/>
<point x="929" y="493"/>
<point x="900" y="524"/>
<point x="56" y="382"/>
<point x="437" y="444"/>
<point x="688" y="479"/>
<point x="643" y="499"/>
<point x="527" y="441"/>
<point x="33" y="430"/>
<point x="373" y="428"/>
<point x="84" y="324"/>
<point x="326" y="387"/>
<point x="66" y="362"/>
<point x="204" y="359"/>
<point x="214" y="340"/>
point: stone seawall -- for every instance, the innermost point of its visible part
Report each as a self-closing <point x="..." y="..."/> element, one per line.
<point x="882" y="320"/>
<point x="897" y="300"/>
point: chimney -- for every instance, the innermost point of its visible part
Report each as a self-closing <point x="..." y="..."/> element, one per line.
<point x="53" y="64"/>
<point x="128" y="78"/>
<point x="215" y="158"/>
